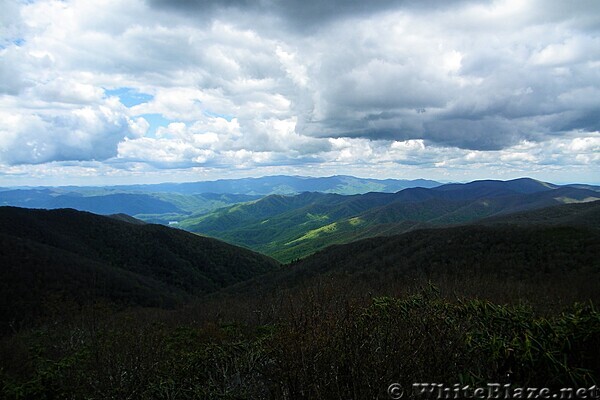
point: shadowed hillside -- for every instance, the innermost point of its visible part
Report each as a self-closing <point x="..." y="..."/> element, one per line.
<point x="583" y="214"/>
<point x="67" y="255"/>
<point x="458" y="258"/>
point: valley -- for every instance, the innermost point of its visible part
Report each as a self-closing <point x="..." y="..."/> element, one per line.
<point x="292" y="227"/>
<point x="482" y="278"/>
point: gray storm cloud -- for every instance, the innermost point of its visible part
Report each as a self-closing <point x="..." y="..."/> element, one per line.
<point x="301" y="14"/>
<point x="290" y="82"/>
<point x="430" y="70"/>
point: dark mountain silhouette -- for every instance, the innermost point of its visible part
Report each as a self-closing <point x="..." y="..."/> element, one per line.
<point x="81" y="257"/>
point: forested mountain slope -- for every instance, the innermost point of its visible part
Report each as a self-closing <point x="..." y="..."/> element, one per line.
<point x="292" y="227"/>
<point x="503" y="260"/>
<point x="69" y="255"/>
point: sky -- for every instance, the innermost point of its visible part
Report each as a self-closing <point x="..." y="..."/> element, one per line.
<point x="143" y="91"/>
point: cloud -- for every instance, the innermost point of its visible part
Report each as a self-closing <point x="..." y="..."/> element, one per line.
<point x="304" y="16"/>
<point x="55" y="134"/>
<point x="340" y="85"/>
<point x="218" y="142"/>
<point x="11" y="24"/>
<point x="483" y="92"/>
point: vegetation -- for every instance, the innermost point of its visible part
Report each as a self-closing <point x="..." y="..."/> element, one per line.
<point x="49" y="257"/>
<point x="172" y="202"/>
<point x="291" y="227"/>
<point x="552" y="266"/>
<point x="321" y="346"/>
<point x="108" y="308"/>
<point x="287" y="227"/>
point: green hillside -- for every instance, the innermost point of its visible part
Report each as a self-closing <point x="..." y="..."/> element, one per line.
<point x="292" y="227"/>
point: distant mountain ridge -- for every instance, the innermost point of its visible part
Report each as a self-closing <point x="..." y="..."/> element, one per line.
<point x="291" y="227"/>
<point x="151" y="207"/>
<point x="276" y="184"/>
<point x="169" y="203"/>
<point x="283" y="184"/>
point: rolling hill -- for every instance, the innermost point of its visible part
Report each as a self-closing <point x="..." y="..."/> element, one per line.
<point x="292" y="227"/>
<point x="499" y="261"/>
<point x="513" y="294"/>
<point x="169" y="203"/>
<point x="74" y="256"/>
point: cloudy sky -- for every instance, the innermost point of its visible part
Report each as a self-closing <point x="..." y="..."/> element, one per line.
<point x="111" y="91"/>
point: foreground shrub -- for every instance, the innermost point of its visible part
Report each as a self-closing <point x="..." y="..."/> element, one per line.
<point x="322" y="347"/>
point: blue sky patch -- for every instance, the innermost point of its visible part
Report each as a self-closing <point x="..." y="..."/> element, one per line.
<point x="129" y="97"/>
<point x="155" y="121"/>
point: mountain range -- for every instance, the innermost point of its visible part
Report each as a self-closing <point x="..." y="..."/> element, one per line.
<point x="129" y="261"/>
<point x="168" y="203"/>
<point x="292" y="227"/>
<point x="283" y="184"/>
<point x="485" y="278"/>
<point x="126" y="261"/>
<point x="50" y="258"/>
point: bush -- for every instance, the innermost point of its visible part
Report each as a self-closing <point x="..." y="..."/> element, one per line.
<point x="323" y="346"/>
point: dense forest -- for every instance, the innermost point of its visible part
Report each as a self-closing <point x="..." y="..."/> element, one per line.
<point x="510" y="300"/>
<point x="65" y="256"/>
<point x="291" y="227"/>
